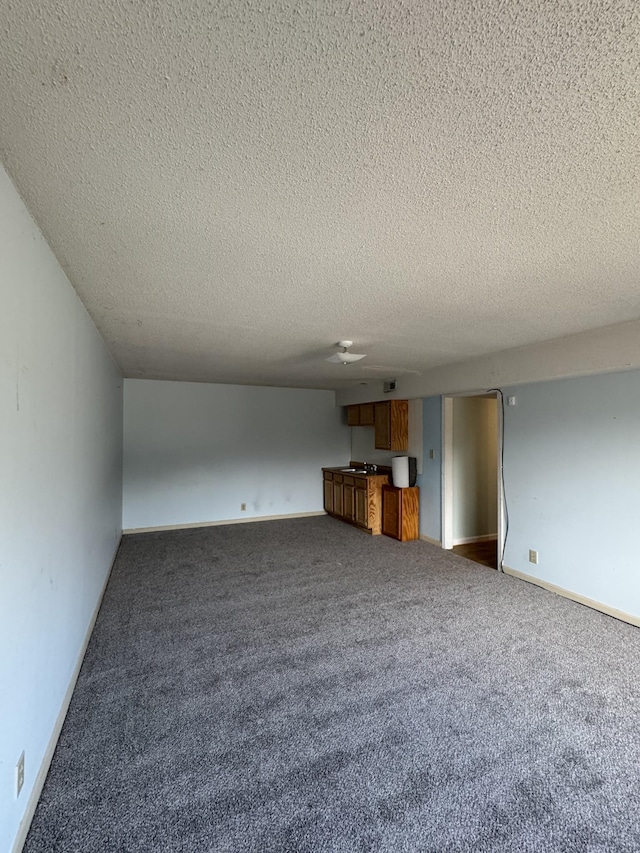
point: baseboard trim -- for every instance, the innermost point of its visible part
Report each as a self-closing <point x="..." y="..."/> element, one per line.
<point x="467" y="540"/>
<point x="36" y="791"/>
<point x="430" y="539"/>
<point x="223" y="522"/>
<point x="574" y="596"/>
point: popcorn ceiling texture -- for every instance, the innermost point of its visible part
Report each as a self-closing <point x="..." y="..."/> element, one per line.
<point x="234" y="187"/>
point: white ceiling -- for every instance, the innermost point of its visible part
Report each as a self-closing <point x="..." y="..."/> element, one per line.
<point x="234" y="187"/>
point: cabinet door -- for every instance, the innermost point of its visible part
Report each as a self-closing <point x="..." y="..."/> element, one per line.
<point x="328" y="495"/>
<point x="337" y="499"/>
<point x="367" y="414"/>
<point x="348" y="502"/>
<point x="353" y="415"/>
<point x="383" y="426"/>
<point x="391" y="512"/>
<point x="399" y="422"/>
<point x="362" y="507"/>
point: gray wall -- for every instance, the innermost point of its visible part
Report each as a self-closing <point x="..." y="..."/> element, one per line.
<point x="61" y="494"/>
<point x="194" y="452"/>
<point x="572" y="475"/>
<point x="430" y="481"/>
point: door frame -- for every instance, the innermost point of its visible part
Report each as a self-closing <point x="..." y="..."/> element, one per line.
<point x="447" y="472"/>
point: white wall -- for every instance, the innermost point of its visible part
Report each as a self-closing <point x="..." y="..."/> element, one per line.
<point x="475" y="466"/>
<point x="572" y="469"/>
<point x="609" y="349"/>
<point x="194" y="452"/>
<point x="60" y="492"/>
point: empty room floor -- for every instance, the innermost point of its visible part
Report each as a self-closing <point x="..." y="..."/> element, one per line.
<point x="300" y="686"/>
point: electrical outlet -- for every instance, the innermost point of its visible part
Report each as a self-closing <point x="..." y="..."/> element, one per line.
<point x="533" y="556"/>
<point x="512" y="401"/>
<point x="431" y="454"/>
<point x="243" y="507"/>
<point x="20" y="774"/>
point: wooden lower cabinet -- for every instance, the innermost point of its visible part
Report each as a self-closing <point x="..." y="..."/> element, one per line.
<point x="337" y="499"/>
<point x="328" y="494"/>
<point x="400" y="512"/>
<point x="348" y="502"/>
<point x="362" y="507"/>
<point x="357" y="500"/>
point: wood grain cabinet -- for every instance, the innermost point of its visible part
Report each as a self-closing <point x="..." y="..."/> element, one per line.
<point x="348" y="499"/>
<point x="357" y="500"/>
<point x="337" y="494"/>
<point x="392" y="425"/>
<point x="353" y="415"/>
<point x="400" y="512"/>
<point x="328" y="492"/>
<point x="362" y="505"/>
<point x="367" y="414"/>
<point x="362" y="414"/>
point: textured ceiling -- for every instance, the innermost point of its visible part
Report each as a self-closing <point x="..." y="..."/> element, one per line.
<point x="233" y="187"/>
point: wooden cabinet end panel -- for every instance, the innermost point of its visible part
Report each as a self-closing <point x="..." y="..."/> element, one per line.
<point x="391" y="512"/>
<point x="399" y="425"/>
<point x="410" y="514"/>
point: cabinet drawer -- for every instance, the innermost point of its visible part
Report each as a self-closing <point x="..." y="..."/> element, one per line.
<point x="348" y="481"/>
<point x="338" y="478"/>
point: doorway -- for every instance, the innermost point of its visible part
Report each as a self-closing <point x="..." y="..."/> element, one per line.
<point x="472" y="494"/>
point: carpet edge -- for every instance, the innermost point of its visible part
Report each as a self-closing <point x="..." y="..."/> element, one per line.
<point x="196" y="524"/>
<point x="574" y="596"/>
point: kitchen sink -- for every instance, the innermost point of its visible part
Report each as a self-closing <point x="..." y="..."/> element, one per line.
<point x="353" y="470"/>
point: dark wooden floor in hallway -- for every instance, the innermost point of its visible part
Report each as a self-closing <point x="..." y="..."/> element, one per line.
<point x="485" y="553"/>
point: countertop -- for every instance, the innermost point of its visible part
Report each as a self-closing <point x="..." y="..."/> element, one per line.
<point x="382" y="471"/>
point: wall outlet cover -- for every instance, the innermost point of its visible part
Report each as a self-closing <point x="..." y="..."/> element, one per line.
<point x="533" y="556"/>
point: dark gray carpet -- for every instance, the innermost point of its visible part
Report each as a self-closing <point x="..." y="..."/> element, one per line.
<point x="301" y="686"/>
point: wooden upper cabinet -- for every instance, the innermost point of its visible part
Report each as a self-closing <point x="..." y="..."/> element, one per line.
<point x="392" y="425"/>
<point x="362" y="415"/>
<point x="353" y="415"/>
<point x="367" y="417"/>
